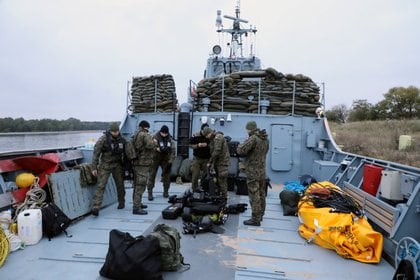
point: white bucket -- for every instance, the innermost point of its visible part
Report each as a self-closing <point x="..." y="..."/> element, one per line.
<point x="30" y="226"/>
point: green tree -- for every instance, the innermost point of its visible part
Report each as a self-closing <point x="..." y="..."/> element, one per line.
<point x="361" y="110"/>
<point x="338" y="113"/>
<point x="402" y="103"/>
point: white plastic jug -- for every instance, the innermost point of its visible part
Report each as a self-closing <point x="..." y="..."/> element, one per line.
<point x="30" y="226"/>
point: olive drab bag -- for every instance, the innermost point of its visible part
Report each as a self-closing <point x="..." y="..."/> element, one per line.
<point x="170" y="244"/>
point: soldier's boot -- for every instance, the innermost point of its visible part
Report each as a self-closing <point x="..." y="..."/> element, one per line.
<point x="150" y="195"/>
<point x="95" y="211"/>
<point x="143" y="206"/>
<point x="121" y="205"/>
<point x="252" y="222"/>
<point x="165" y="192"/>
<point x="137" y="211"/>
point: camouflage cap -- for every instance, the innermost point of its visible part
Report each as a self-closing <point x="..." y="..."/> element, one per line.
<point x="251" y="125"/>
<point x="114" y="127"/>
<point x="207" y="131"/>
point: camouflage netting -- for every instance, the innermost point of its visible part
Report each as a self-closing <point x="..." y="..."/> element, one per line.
<point x="143" y="94"/>
<point x="275" y="87"/>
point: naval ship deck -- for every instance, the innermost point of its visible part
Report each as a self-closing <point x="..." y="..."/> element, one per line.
<point x="273" y="251"/>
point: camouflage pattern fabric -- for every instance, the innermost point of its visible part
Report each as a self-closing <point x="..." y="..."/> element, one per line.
<point x="255" y="149"/>
<point x="220" y="159"/>
<point x="200" y="159"/>
<point x="143" y="144"/>
<point x="108" y="159"/>
<point x="164" y="161"/>
<point x="170" y="245"/>
<point x="198" y="165"/>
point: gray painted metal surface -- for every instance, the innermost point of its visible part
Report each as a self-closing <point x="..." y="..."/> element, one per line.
<point x="273" y="251"/>
<point x="73" y="198"/>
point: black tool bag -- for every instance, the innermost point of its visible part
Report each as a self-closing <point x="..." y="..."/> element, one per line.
<point x="172" y="211"/>
<point x="132" y="257"/>
<point x="54" y="221"/>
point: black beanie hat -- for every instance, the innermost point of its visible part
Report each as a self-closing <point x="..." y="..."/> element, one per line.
<point x="164" y="129"/>
<point x="144" y="124"/>
<point x="203" y="126"/>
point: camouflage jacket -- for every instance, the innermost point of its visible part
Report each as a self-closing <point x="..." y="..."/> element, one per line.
<point x="219" y="149"/>
<point x="143" y="145"/>
<point x="108" y="151"/>
<point x="255" y="149"/>
<point x="164" y="147"/>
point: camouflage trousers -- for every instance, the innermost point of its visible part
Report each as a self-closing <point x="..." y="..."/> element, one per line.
<point x="198" y="165"/>
<point x="103" y="175"/>
<point x="222" y="174"/>
<point x="166" y="172"/>
<point x="141" y="174"/>
<point x="256" y="193"/>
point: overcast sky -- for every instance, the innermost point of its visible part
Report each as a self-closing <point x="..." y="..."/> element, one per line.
<point x="62" y="59"/>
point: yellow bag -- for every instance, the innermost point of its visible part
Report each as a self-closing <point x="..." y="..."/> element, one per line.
<point x="349" y="235"/>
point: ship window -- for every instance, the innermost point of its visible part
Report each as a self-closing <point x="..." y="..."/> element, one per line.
<point x="233" y="66"/>
<point x="218" y="68"/>
<point x="248" y="65"/>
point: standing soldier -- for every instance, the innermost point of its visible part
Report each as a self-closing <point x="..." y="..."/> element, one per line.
<point x="143" y="145"/>
<point x="255" y="149"/>
<point x="201" y="151"/>
<point x="107" y="159"/>
<point x="163" y="156"/>
<point x="219" y="157"/>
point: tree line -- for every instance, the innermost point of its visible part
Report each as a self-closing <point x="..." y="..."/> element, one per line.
<point x="398" y="103"/>
<point x="71" y="124"/>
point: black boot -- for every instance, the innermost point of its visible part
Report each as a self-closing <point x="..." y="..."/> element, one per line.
<point x="251" y="222"/>
<point x="165" y="193"/>
<point x="139" y="211"/>
<point x="121" y="205"/>
<point x="95" y="211"/>
<point x="150" y="196"/>
<point x="143" y="206"/>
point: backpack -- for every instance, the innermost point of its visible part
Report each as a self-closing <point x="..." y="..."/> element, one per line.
<point x="129" y="257"/>
<point x="54" y="221"/>
<point x="170" y="243"/>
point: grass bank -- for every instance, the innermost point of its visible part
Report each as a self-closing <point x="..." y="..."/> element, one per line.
<point x="380" y="139"/>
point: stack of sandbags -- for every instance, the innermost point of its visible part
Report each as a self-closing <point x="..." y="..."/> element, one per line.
<point x="143" y="90"/>
<point x="241" y="92"/>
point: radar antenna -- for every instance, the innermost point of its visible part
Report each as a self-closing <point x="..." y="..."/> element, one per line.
<point x="236" y="32"/>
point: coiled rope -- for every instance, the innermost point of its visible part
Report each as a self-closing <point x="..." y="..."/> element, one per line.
<point x="35" y="198"/>
<point x="4" y="246"/>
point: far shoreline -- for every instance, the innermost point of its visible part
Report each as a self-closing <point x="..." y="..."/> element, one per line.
<point x="48" y="132"/>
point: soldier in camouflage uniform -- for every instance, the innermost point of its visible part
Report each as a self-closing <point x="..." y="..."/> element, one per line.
<point x="143" y="145"/>
<point x="107" y="159"/>
<point x="220" y="157"/>
<point x="201" y="151"/>
<point x="163" y="156"/>
<point x="255" y="149"/>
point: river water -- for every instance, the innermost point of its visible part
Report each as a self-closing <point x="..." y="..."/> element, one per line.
<point x="10" y="142"/>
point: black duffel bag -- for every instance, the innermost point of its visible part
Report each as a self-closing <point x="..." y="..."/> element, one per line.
<point x="132" y="257"/>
